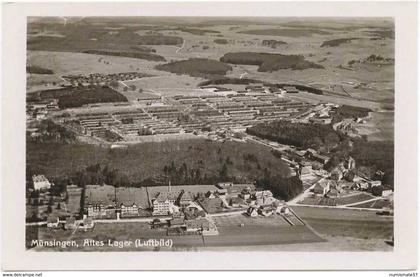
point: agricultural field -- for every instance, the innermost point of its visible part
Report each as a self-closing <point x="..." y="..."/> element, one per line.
<point x="347" y="222"/>
<point x="301" y="38"/>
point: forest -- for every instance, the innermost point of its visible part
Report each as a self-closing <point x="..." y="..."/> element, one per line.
<point x="269" y="62"/>
<point x="302" y="135"/>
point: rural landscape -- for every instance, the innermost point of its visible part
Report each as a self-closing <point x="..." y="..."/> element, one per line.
<point x="209" y="134"/>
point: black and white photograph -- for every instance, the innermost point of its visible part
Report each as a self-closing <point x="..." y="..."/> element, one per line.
<point x="210" y="133"/>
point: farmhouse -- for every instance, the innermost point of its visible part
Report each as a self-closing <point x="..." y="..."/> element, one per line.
<point x="70" y="223"/>
<point x="305" y="173"/>
<point x="163" y="204"/>
<point x="252" y="212"/>
<point x="53" y="221"/>
<point x="40" y="182"/>
<point x="321" y="187"/>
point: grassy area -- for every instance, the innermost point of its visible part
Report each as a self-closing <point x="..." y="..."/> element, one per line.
<point x="346" y="222"/>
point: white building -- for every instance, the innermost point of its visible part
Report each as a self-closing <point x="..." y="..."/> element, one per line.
<point x="40" y="182"/>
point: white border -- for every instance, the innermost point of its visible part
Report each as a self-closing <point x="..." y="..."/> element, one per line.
<point x="14" y="255"/>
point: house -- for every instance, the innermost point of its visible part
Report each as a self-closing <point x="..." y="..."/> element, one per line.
<point x="336" y="174"/>
<point x="210" y="195"/>
<point x="224" y="184"/>
<point x="129" y="201"/>
<point x="252" y="212"/>
<point x="70" y="223"/>
<point x="290" y="89"/>
<point x="162" y="205"/>
<point x="313" y="155"/>
<point x="321" y="187"/>
<point x="283" y="209"/>
<point x="333" y="192"/>
<point x="375" y="183"/>
<point x="88" y="223"/>
<point x="100" y="201"/>
<point x="267" y="210"/>
<point x="245" y="194"/>
<point x="40" y="182"/>
<point x="263" y="193"/>
<point x="305" y="173"/>
<point x="350" y="163"/>
<point x="53" y="221"/>
<point x="387" y="191"/>
<point x="236" y="202"/>
<point x="214" y="205"/>
<point x="185" y="199"/>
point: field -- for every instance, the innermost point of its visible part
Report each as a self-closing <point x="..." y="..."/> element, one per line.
<point x="343" y="200"/>
<point x="303" y="40"/>
<point x="347" y="223"/>
<point x="268" y="231"/>
<point x="375" y="204"/>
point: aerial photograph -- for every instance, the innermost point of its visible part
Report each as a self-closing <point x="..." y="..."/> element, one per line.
<point x="209" y="134"/>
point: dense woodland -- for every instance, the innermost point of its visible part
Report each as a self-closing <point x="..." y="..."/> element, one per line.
<point x="196" y="67"/>
<point x="336" y="42"/>
<point x="269" y="62"/>
<point x="136" y="55"/>
<point x="302" y="135"/>
<point x="38" y="70"/>
<point x="191" y="162"/>
<point x="79" y="96"/>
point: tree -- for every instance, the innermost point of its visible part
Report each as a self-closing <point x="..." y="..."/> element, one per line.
<point x="223" y="173"/>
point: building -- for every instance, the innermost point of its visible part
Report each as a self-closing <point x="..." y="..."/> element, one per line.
<point x="53" y="221"/>
<point x="88" y="223"/>
<point x="283" y="209"/>
<point x="290" y="89"/>
<point x="252" y="212"/>
<point x="375" y="183"/>
<point x="305" y="173"/>
<point x="70" y="223"/>
<point x="266" y="210"/>
<point x="201" y="225"/>
<point x="185" y="199"/>
<point x="129" y="201"/>
<point x="350" y="163"/>
<point x="333" y="192"/>
<point x="100" y="201"/>
<point x="41" y="182"/>
<point x="163" y="204"/>
<point x="321" y="187"/>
